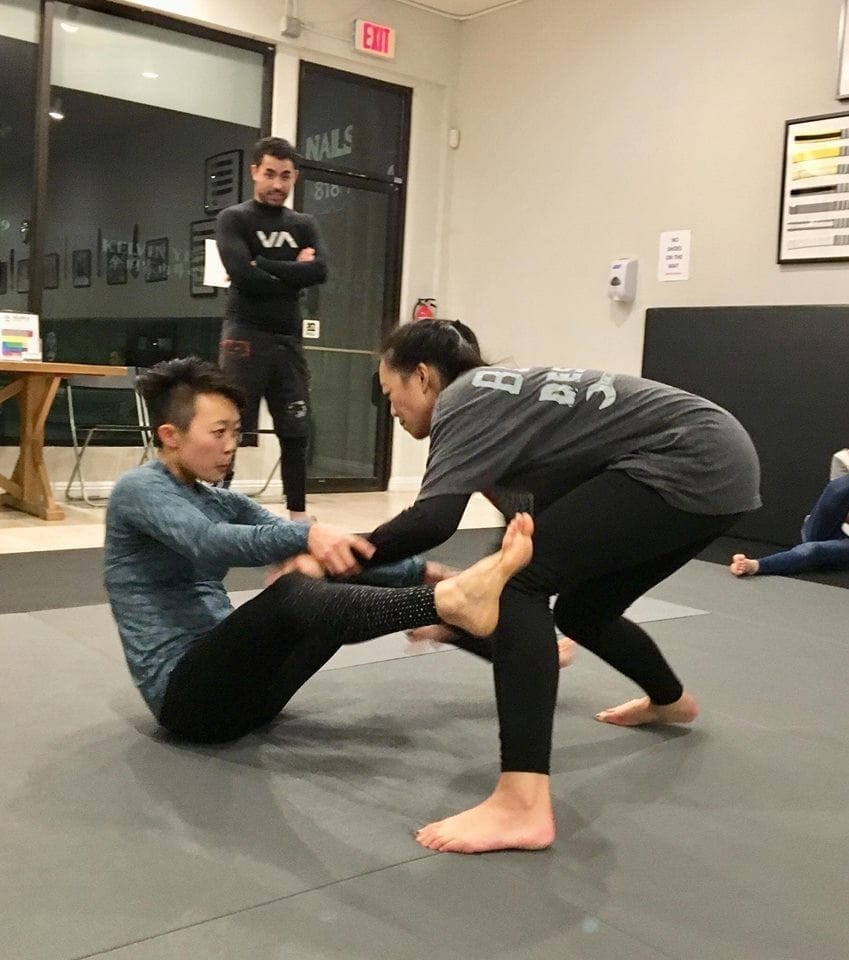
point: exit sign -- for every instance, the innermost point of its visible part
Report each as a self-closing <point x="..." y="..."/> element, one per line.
<point x="374" y="38"/>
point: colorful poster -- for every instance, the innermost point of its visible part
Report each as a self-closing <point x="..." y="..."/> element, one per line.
<point x="19" y="336"/>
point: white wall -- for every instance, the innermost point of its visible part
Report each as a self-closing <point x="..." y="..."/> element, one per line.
<point x="590" y="126"/>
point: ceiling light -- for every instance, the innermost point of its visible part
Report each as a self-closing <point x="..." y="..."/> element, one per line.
<point x="150" y="75"/>
<point x="55" y="111"/>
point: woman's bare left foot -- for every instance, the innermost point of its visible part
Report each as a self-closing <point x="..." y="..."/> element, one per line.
<point x="517" y="816"/>
<point x="742" y="566"/>
<point x="470" y="600"/>
<point x="635" y="713"/>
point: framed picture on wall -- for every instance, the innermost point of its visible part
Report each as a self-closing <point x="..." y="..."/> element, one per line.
<point x="51" y="271"/>
<point x="222" y="181"/>
<point x="843" y="55"/>
<point x="814" y="217"/>
<point x="81" y="268"/>
<point x="199" y="232"/>
<point x="22" y="284"/>
<point x="156" y="260"/>
<point x="116" y="261"/>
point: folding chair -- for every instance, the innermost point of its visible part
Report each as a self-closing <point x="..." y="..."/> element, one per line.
<point x="141" y="426"/>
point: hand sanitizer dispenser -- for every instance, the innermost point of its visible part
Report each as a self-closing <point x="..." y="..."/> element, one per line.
<point x="622" y="279"/>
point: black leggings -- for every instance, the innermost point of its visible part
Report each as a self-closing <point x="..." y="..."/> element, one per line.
<point x="272" y="366"/>
<point x="241" y="674"/>
<point x="598" y="548"/>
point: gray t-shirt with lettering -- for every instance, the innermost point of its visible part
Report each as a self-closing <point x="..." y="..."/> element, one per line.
<point x="524" y="437"/>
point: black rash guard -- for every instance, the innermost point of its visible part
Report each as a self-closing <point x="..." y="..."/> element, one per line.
<point x="259" y="245"/>
<point x="424" y="525"/>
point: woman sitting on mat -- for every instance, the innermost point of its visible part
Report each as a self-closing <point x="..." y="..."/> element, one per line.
<point x="210" y="673"/>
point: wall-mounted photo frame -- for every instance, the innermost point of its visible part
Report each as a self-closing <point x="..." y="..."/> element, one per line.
<point x="222" y="181"/>
<point x="81" y="268"/>
<point x="51" y="271"/>
<point x="4" y="277"/>
<point x="199" y="232"/>
<point x="22" y="279"/>
<point x="116" y="252"/>
<point x="156" y="260"/>
<point x="843" y="54"/>
<point x="814" y="213"/>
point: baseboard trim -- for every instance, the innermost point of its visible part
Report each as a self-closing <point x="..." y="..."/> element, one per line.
<point x="102" y="489"/>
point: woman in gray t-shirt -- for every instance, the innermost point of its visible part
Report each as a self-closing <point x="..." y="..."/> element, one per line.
<point x="627" y="479"/>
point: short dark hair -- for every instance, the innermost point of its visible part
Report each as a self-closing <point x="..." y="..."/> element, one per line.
<point x="449" y="346"/>
<point x="169" y="389"/>
<point x="275" y="147"/>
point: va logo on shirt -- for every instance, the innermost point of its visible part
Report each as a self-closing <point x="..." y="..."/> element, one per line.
<point x="276" y="238"/>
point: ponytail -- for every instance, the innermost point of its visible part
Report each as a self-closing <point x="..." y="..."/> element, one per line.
<point x="450" y="347"/>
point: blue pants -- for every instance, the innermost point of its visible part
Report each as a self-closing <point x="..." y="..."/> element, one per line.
<point x="824" y="546"/>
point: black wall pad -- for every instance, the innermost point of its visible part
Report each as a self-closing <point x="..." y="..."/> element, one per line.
<point x="784" y="373"/>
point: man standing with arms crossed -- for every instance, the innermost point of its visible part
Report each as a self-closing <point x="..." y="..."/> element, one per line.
<point x="271" y="254"/>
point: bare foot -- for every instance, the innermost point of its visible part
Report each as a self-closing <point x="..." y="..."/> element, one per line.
<point x="635" y="713"/>
<point x="517" y="816"/>
<point x="427" y="639"/>
<point x="470" y="600"/>
<point x="565" y="651"/>
<point x="742" y="566"/>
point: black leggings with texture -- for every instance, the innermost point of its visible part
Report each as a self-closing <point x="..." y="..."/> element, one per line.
<point x="597" y="549"/>
<point x="242" y="673"/>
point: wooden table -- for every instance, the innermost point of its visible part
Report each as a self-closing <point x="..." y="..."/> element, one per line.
<point x="35" y="385"/>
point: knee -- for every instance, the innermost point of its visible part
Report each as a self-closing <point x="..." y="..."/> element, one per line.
<point x="578" y="621"/>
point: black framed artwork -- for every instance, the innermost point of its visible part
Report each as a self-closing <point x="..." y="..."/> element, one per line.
<point x="814" y="213"/>
<point x="116" y="261"/>
<point x="51" y="271"/>
<point x="22" y="284"/>
<point x="199" y="232"/>
<point x="156" y="260"/>
<point x="81" y="268"/>
<point x="222" y="181"/>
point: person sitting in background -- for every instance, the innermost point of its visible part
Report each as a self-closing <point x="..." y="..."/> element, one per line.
<point x="825" y="533"/>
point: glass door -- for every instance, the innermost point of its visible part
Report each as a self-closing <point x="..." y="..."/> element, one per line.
<point x="353" y="133"/>
<point x="345" y="320"/>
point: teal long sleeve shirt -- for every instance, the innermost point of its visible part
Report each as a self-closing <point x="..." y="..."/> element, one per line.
<point x="168" y="548"/>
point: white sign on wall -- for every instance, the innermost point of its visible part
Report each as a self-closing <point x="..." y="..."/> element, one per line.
<point x="674" y="257"/>
<point x="214" y="273"/>
<point x="19" y="336"/>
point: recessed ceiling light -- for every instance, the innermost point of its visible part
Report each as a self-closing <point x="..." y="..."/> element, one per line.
<point x="150" y="75"/>
<point x="69" y="27"/>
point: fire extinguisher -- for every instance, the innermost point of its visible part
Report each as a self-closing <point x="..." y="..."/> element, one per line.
<point x="425" y="309"/>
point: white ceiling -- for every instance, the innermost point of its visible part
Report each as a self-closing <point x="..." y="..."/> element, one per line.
<point x="461" y="9"/>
